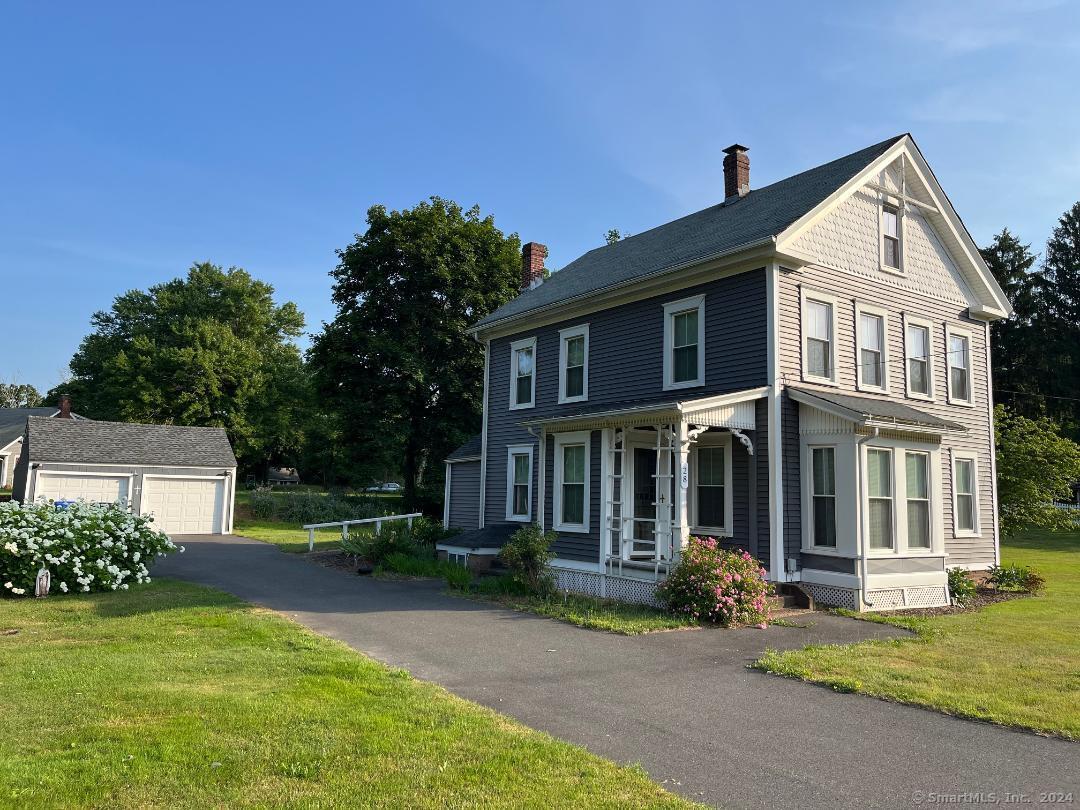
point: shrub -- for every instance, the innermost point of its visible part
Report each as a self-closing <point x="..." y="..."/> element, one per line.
<point x="961" y="586"/>
<point x="263" y="503"/>
<point x="1015" y="578"/>
<point x="428" y="532"/>
<point x="457" y="577"/>
<point x="503" y="585"/>
<point x="714" y="585"/>
<point x="85" y="547"/>
<point x="528" y="556"/>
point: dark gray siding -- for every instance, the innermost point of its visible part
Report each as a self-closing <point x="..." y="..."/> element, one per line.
<point x="22" y="468"/>
<point x="464" y="494"/>
<point x="761" y="450"/>
<point x="789" y="424"/>
<point x="625" y="364"/>
<point x="825" y="562"/>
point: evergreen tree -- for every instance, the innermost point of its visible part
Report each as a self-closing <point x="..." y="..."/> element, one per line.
<point x="1058" y="333"/>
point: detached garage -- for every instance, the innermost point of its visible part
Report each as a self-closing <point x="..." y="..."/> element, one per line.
<point x="184" y="476"/>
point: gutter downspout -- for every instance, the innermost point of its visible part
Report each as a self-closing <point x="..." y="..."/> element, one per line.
<point x="777" y="567"/>
<point x="859" y="469"/>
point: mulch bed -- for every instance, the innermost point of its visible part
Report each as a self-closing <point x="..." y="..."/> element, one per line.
<point x="339" y="560"/>
<point x="983" y="597"/>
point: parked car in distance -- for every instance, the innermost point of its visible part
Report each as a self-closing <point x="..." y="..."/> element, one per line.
<point x="389" y="486"/>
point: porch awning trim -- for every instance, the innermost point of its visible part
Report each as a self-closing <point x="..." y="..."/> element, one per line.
<point x="868" y="412"/>
<point x="733" y="410"/>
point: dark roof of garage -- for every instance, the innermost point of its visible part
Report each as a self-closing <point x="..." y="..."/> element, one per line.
<point x="85" y="442"/>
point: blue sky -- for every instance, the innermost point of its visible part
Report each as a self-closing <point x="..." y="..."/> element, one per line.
<point x="138" y="138"/>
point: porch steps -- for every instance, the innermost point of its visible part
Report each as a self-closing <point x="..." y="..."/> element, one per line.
<point x="787" y="604"/>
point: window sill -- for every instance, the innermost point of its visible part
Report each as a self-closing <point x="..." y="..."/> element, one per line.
<point x="967" y="535"/>
<point x="827" y="551"/>
<point x="810" y="378"/>
<point x="675" y="386"/>
<point x="524" y="407"/>
<point x="962" y="403"/>
<point x="892" y="271"/>
<point x="871" y="389"/>
<point x="571" y="528"/>
<point x="920" y="397"/>
<point x="569" y="400"/>
<point x="705" y="531"/>
<point x="519" y="518"/>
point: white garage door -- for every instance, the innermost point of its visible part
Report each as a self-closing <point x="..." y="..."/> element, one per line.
<point x="95" y="488"/>
<point x="185" y="505"/>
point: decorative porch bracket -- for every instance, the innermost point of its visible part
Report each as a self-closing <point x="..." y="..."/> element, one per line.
<point x="742" y="437"/>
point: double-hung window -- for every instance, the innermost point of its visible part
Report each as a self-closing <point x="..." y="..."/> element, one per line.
<point x="890" y="237"/>
<point x="523" y="373"/>
<point x="519" y="465"/>
<point x="917" y="349"/>
<point x="965" y="500"/>
<point x="574" y="364"/>
<point x="823" y="490"/>
<point x="872" y="357"/>
<point x="917" y="492"/>
<point x="684" y="343"/>
<point x="959" y="364"/>
<point x="879" y="491"/>
<point x="711" y="489"/>
<point x="819" y="347"/>
<point x="571" y="493"/>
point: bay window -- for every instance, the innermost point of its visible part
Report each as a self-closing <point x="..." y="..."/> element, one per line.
<point x="823" y="491"/>
<point x="917" y="492"/>
<point x="879" y="489"/>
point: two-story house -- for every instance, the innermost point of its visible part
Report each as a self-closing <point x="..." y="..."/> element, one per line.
<point x="801" y="370"/>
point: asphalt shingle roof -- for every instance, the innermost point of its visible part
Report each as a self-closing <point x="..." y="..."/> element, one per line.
<point x="86" y="442"/>
<point x="715" y="231"/>
<point x="881" y="409"/>
<point x="471" y="449"/>
<point x="13" y="422"/>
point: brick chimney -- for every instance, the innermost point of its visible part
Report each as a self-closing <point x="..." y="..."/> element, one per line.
<point x="532" y="264"/>
<point x="65" y="407"/>
<point x="736" y="172"/>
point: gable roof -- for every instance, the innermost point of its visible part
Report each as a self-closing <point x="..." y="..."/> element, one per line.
<point x="713" y="232"/>
<point x="865" y="410"/>
<point x="13" y="422"/>
<point x="468" y="451"/>
<point x="86" y="442"/>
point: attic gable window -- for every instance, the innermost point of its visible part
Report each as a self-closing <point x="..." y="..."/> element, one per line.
<point x="523" y="373"/>
<point x="890" y="236"/>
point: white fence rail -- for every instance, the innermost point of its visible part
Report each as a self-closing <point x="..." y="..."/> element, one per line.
<point x="1067" y="507"/>
<point x="345" y="524"/>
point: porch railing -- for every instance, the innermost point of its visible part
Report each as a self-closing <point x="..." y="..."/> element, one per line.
<point x="345" y="524"/>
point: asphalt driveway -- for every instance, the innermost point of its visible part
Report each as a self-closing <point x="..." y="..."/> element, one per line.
<point x="682" y="704"/>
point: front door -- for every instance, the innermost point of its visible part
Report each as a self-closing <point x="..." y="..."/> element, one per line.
<point x="644" y="502"/>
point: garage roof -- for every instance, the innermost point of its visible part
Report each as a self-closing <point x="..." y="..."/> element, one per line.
<point x="85" y="442"/>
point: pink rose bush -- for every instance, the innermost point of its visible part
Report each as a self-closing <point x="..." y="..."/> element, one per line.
<point x="85" y="547"/>
<point x="713" y="585"/>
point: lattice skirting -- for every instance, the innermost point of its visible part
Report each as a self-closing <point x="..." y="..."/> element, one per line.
<point x="624" y="589"/>
<point x="900" y="598"/>
<point x="831" y="596"/>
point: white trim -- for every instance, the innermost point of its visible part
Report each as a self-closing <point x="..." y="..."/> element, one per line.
<point x="899" y="449"/>
<point x="966" y="455"/>
<point x="3" y="472"/>
<point x="461" y="460"/>
<point x="893" y="548"/>
<point x="541" y="491"/>
<point x="561" y="441"/>
<point x="777" y="570"/>
<point x="671" y="309"/>
<point x="446" y="497"/>
<point x="867" y="309"/>
<point x="809" y="293"/>
<point x="835" y="578"/>
<point x="907" y="322"/>
<point x="452" y="549"/>
<point x="993" y="448"/>
<point x="607" y="436"/>
<point x="809" y="546"/>
<point x="511" y="451"/>
<point x="7" y="446"/>
<point x="951" y="331"/>
<point x="181" y="475"/>
<point x="484" y="434"/>
<point x="515" y="347"/>
<point x="140" y="465"/>
<point x="720" y="441"/>
<point x="78" y="474"/>
<point x="582" y="331"/>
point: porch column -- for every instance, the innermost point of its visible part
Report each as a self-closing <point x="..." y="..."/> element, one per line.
<point x="681" y="529"/>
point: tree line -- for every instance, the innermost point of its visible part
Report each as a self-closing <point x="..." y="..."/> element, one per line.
<point x="394" y="382"/>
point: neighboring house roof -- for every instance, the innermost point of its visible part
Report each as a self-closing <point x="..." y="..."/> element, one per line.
<point x="13" y="422"/>
<point x="87" y="442"/>
<point x="872" y="411"/>
<point x="715" y="231"/>
<point x="468" y="451"/>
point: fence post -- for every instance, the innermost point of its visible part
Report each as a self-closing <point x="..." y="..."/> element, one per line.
<point x="378" y="527"/>
<point x="344" y="531"/>
<point x="410" y="522"/>
<point x="310" y="539"/>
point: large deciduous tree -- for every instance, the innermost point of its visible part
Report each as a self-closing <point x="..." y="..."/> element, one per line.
<point x="396" y="368"/>
<point x="19" y="395"/>
<point x="209" y="349"/>
<point x="1035" y="467"/>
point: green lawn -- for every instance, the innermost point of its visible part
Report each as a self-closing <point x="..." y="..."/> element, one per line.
<point x="289" y="536"/>
<point x="1016" y="663"/>
<point x="175" y="695"/>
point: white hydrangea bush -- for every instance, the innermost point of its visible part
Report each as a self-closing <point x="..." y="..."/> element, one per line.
<point x="85" y="547"/>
